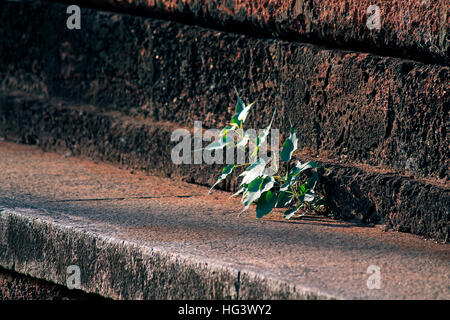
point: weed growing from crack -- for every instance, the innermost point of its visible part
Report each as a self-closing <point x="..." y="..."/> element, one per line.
<point x="292" y="190"/>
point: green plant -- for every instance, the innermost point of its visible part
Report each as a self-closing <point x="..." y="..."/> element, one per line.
<point x="292" y="190"/>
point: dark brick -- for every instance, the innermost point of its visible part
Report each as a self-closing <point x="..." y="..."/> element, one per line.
<point x="409" y="29"/>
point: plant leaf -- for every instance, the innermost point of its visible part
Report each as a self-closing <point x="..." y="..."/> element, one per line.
<point x="312" y="181"/>
<point x="225" y="172"/>
<point x="265" y="203"/>
<point x="309" y="196"/>
<point x="220" y="143"/>
<point x="291" y="180"/>
<point x="289" y="146"/>
<point x="240" y="105"/>
<point x="293" y="175"/>
<point x="267" y="184"/>
<point x="262" y="136"/>
<point x="243" y="141"/>
<point x="300" y="167"/>
<point x="241" y="190"/>
<point x="256" y="169"/>
<point x="320" y="202"/>
<point x="290" y="213"/>
<point x="244" y="113"/>
<point x="284" y="198"/>
<point x="241" y="112"/>
<point x="254" y="192"/>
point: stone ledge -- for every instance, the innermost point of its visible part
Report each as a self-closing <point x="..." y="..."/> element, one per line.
<point x="133" y="238"/>
<point x="368" y="193"/>
<point x="118" y="269"/>
<point x="111" y="267"/>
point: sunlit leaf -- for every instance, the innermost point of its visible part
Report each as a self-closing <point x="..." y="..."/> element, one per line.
<point x="262" y="136"/>
<point x="240" y="105"/>
<point x="254" y="170"/>
<point x="300" y="167"/>
<point x="225" y="172"/>
<point x="254" y="191"/>
<point x="291" y="212"/>
<point x="241" y="112"/>
<point x="309" y="196"/>
<point x="244" y="113"/>
<point x="220" y="143"/>
<point x="243" y="141"/>
<point x="267" y="184"/>
<point x="241" y="190"/>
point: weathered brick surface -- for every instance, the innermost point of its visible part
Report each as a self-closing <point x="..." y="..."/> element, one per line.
<point x="404" y="203"/>
<point x="409" y="28"/>
<point x="353" y="106"/>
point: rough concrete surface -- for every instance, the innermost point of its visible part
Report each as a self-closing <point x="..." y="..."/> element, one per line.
<point x="139" y="236"/>
<point x="408" y="28"/>
<point x="367" y="193"/>
<point x="356" y="106"/>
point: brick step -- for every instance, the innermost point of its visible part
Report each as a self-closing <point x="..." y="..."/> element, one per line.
<point x="134" y="236"/>
<point x="409" y="29"/>
<point x="358" y="106"/>
<point x="370" y="194"/>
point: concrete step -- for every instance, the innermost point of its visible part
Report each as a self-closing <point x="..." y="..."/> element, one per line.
<point x="135" y="236"/>
<point x="353" y="190"/>
<point x="362" y="107"/>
